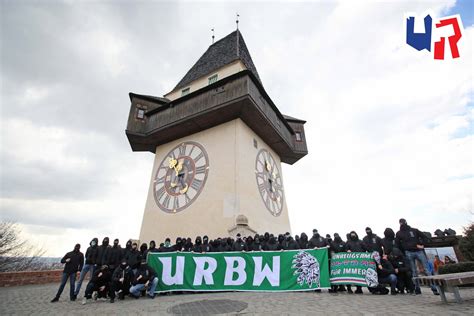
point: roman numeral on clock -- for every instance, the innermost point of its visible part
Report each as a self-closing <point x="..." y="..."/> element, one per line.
<point x="196" y="184"/>
<point x="166" y="201"/>
<point x="160" y="193"/>
<point x="182" y="150"/>
<point x="201" y="169"/>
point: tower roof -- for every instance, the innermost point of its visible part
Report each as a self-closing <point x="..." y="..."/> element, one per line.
<point x="226" y="50"/>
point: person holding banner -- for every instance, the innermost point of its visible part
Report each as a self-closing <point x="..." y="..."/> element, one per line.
<point x="412" y="241"/>
<point x="354" y="244"/>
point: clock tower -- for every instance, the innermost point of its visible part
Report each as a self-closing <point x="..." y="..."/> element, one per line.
<point x="219" y="141"/>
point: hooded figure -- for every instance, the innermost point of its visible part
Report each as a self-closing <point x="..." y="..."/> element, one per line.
<point x="121" y="279"/>
<point x="290" y="243"/>
<point x="179" y="244"/>
<point x="402" y="271"/>
<point x="73" y="261"/>
<point x="338" y="245"/>
<point x="317" y="241"/>
<point x="372" y="242"/>
<point x="143" y="251"/>
<point x="167" y="247"/>
<point x="388" y="242"/>
<point x="91" y="252"/>
<point x="206" y="247"/>
<point x="99" y="283"/>
<point x="103" y="252"/>
<point x="410" y="239"/>
<point x="197" y="244"/>
<point x="115" y="255"/>
<point x="153" y="247"/>
<point x="272" y="244"/>
<point x="133" y="256"/>
<point x="354" y="244"/>
<point x="239" y="244"/>
<point x="188" y="245"/>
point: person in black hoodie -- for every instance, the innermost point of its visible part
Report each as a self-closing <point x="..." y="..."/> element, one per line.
<point x="188" y="245"/>
<point x="167" y="247"/>
<point x="256" y="245"/>
<point x="386" y="275"/>
<point x="388" y="242"/>
<point x="272" y="244"/>
<point x="133" y="257"/>
<point x="317" y="241"/>
<point x="144" y="278"/>
<point x="74" y="260"/>
<point x="206" y="246"/>
<point x="224" y="246"/>
<point x="354" y="244"/>
<point x="303" y="241"/>
<point x="99" y="283"/>
<point x="197" y="244"/>
<point x="338" y="245"/>
<point x="115" y="256"/>
<point x="402" y="270"/>
<point x="290" y="243"/>
<point x="412" y="242"/>
<point x="128" y="248"/>
<point x="239" y="244"/>
<point x="372" y="242"/>
<point x="179" y="244"/>
<point x="103" y="252"/>
<point x="143" y="251"/>
<point x="121" y="280"/>
<point x="90" y="265"/>
<point x="153" y="247"/>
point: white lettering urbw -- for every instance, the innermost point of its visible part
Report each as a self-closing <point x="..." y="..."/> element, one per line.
<point x="204" y="274"/>
<point x="272" y="275"/>
<point x="230" y="270"/>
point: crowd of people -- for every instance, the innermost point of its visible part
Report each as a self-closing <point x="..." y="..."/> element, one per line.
<point x="117" y="271"/>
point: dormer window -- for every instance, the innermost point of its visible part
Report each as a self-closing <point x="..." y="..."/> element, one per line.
<point x="185" y="91"/>
<point x="298" y="136"/>
<point x="212" y="79"/>
<point x="140" y="114"/>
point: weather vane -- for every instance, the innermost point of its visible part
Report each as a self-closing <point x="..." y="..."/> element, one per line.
<point x="237" y="20"/>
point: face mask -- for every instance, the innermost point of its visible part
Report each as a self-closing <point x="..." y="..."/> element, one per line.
<point x="93" y="243"/>
<point x="167" y="244"/>
<point x="123" y="265"/>
<point x="369" y="232"/>
<point x="134" y="247"/>
<point x="353" y="236"/>
<point x="116" y="243"/>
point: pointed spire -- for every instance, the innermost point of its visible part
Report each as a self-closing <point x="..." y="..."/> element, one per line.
<point x="237" y="22"/>
<point x="212" y="35"/>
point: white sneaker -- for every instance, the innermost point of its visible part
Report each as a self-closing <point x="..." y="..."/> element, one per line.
<point x="84" y="301"/>
<point x="94" y="296"/>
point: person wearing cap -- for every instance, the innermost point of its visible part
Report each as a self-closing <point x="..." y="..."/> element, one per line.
<point x="372" y="242"/>
<point x="412" y="242"/>
<point x="99" y="284"/>
<point x="73" y="260"/>
<point x="144" y="278"/>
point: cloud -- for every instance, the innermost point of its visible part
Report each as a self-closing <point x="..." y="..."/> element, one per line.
<point x="389" y="128"/>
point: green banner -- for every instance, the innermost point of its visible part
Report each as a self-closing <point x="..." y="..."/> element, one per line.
<point x="356" y="268"/>
<point x="291" y="270"/>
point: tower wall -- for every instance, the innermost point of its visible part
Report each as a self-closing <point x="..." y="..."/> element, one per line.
<point x="230" y="189"/>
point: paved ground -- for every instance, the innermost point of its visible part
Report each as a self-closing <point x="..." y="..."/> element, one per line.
<point x="34" y="299"/>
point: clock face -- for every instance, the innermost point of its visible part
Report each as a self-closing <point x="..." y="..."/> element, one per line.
<point x="269" y="182"/>
<point x="180" y="177"/>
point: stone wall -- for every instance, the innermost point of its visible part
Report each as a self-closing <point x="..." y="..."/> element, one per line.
<point x="30" y="277"/>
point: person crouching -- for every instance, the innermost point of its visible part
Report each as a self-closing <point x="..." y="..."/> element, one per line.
<point x="121" y="279"/>
<point x="145" y="278"/>
<point x="98" y="285"/>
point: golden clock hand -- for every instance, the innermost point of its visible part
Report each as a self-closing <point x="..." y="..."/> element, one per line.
<point x="184" y="190"/>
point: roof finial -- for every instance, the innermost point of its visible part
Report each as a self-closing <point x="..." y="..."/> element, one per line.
<point x="237" y="22"/>
<point x="212" y="35"/>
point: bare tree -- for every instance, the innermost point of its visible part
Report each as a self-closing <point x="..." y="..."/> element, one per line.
<point x="17" y="254"/>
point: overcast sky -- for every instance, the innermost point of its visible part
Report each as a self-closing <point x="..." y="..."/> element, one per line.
<point x="389" y="129"/>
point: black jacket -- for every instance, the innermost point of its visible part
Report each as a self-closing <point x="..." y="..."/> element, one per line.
<point x="146" y="274"/>
<point x="115" y="256"/>
<point x="272" y="245"/>
<point x="388" y="242"/>
<point x="91" y="252"/>
<point x="355" y="244"/>
<point x="303" y="242"/>
<point x="338" y="245"/>
<point x="126" y="274"/>
<point x="290" y="244"/>
<point x="317" y="241"/>
<point x="373" y="243"/>
<point x="75" y="263"/>
<point x="239" y="245"/>
<point x="133" y="258"/>
<point x="387" y="269"/>
<point x="407" y="238"/>
<point x="101" y="278"/>
<point x="103" y="252"/>
<point x="399" y="262"/>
